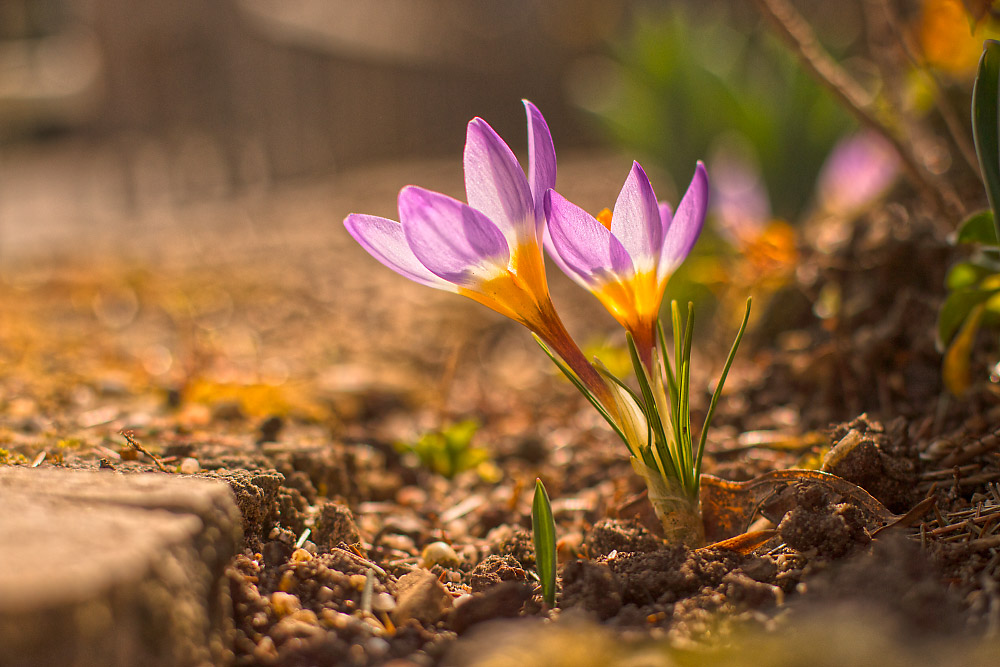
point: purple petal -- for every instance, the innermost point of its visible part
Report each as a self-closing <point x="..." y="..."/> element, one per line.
<point x="541" y="160"/>
<point x="495" y="183"/>
<point x="384" y="240"/>
<point x="687" y="223"/>
<point x="666" y="216"/>
<point x="450" y="238"/>
<point x="584" y="244"/>
<point x="636" y="220"/>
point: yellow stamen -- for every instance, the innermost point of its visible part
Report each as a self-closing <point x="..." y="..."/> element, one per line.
<point x="635" y="303"/>
<point x="604" y="217"/>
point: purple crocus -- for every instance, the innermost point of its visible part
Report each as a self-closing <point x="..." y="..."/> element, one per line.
<point x="859" y="170"/>
<point x="626" y="258"/>
<point x="489" y="249"/>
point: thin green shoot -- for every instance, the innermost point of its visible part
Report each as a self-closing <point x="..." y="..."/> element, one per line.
<point x="543" y="529"/>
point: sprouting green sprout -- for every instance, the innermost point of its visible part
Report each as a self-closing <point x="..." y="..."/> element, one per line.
<point x="543" y="528"/>
<point x="655" y="424"/>
<point x="450" y="449"/>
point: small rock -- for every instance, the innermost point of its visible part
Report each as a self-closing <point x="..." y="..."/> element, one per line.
<point x="419" y="595"/>
<point x="190" y="466"/>
<point x="284" y="603"/>
<point x="439" y="553"/>
<point x="383" y="602"/>
<point x="502" y="601"/>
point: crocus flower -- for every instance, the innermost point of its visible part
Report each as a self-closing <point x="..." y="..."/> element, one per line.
<point x="489" y="249"/>
<point x="626" y="258"/>
<point x="740" y="202"/>
<point x="859" y="170"/>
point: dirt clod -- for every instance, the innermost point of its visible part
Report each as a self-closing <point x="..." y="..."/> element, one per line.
<point x="495" y="570"/>
<point x="256" y="497"/>
<point x="420" y="596"/>
<point x="624" y="536"/>
<point x="501" y="601"/>
<point x="592" y="586"/>
<point x="832" y="530"/>
<point x="865" y="455"/>
<point x="335" y="525"/>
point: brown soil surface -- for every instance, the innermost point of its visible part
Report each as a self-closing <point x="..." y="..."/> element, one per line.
<point x="251" y="340"/>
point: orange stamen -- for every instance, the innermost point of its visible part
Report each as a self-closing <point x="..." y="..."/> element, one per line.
<point x="604" y="217"/>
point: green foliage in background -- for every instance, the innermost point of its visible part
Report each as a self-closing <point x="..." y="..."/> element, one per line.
<point x="974" y="285"/>
<point x="683" y="83"/>
<point x="450" y="449"/>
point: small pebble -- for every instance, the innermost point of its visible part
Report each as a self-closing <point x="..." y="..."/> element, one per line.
<point x="383" y="602"/>
<point x="439" y="553"/>
<point x="284" y="603"/>
<point x="265" y="650"/>
<point x="301" y="556"/>
<point x="307" y="616"/>
<point x="190" y="466"/>
<point x="376" y="647"/>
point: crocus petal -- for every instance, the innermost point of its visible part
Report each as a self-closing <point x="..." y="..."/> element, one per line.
<point x="541" y="161"/>
<point x="686" y="225"/>
<point x="495" y="183"/>
<point x="384" y="240"/>
<point x="586" y="247"/>
<point x="636" y="220"/>
<point x="451" y="239"/>
<point x="666" y="215"/>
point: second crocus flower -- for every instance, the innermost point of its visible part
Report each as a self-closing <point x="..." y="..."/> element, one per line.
<point x="626" y="258"/>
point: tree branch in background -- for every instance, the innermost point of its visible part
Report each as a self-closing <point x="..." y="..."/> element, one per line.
<point x="959" y="133"/>
<point x="796" y="32"/>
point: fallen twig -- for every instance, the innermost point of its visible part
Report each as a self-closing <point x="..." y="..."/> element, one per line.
<point x="134" y="444"/>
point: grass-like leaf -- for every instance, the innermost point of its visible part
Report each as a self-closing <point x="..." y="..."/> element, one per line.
<point x="718" y="391"/>
<point x="571" y="376"/>
<point x="642" y="454"/>
<point x="543" y="529"/>
<point x="668" y="463"/>
<point x="985" y="118"/>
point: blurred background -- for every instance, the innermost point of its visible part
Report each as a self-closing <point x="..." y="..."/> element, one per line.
<point x="233" y="136"/>
<point x="121" y="115"/>
<point x="116" y="106"/>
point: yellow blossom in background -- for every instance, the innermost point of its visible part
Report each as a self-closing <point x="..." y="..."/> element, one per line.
<point x="947" y="37"/>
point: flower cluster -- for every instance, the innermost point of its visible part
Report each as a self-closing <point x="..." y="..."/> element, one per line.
<point x="491" y="250"/>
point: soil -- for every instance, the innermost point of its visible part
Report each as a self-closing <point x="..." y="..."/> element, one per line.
<point x="296" y="369"/>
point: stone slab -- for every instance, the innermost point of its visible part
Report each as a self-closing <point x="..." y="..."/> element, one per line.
<point x="103" y="568"/>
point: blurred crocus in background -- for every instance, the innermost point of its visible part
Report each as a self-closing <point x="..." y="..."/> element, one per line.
<point x="951" y="38"/>
<point x="625" y="259"/>
<point x="860" y="169"/>
<point x="490" y="249"/>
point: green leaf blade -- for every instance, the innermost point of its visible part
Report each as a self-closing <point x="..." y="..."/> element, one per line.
<point x="718" y="391"/>
<point x="977" y="228"/>
<point x="985" y="118"/>
<point x="954" y="310"/>
<point x="543" y="529"/>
